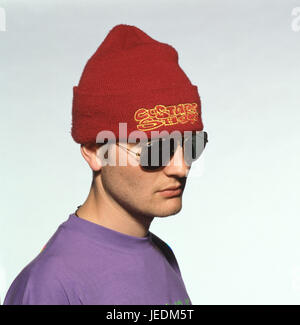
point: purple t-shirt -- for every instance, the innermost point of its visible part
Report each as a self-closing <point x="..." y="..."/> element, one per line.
<point x="86" y="263"/>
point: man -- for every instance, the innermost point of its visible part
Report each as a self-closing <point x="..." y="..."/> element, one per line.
<point x="104" y="253"/>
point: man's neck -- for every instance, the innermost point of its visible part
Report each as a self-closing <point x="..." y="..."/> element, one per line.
<point x="99" y="208"/>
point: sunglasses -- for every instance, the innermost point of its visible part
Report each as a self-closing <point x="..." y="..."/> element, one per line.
<point x="158" y="152"/>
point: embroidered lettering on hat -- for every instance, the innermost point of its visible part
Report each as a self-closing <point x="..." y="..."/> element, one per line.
<point x="160" y="115"/>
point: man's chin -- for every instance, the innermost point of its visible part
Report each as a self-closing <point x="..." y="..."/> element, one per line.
<point x="169" y="212"/>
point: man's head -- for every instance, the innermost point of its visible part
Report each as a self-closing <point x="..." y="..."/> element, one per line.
<point x="135" y="80"/>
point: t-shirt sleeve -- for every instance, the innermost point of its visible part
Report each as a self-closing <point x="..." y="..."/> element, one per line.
<point x="37" y="285"/>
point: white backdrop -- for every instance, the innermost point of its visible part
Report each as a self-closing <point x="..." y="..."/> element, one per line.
<point x="237" y="237"/>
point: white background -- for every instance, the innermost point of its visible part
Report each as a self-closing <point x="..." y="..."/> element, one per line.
<point x="237" y="237"/>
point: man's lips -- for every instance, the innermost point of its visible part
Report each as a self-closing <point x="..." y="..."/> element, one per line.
<point x="174" y="187"/>
<point x="171" y="191"/>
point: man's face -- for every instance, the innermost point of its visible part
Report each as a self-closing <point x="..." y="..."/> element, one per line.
<point x="138" y="190"/>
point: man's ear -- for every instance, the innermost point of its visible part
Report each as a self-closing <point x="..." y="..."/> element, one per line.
<point x="89" y="153"/>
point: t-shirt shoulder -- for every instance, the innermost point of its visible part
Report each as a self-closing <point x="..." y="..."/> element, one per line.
<point x="41" y="281"/>
<point x="167" y="251"/>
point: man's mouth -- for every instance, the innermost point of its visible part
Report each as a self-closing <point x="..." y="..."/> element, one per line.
<point x="176" y="191"/>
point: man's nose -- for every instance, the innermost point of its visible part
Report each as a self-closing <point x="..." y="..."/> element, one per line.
<point x="177" y="164"/>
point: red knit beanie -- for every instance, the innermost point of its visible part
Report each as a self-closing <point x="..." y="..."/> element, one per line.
<point x="133" y="79"/>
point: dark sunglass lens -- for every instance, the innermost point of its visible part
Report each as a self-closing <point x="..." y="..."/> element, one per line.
<point x="167" y="150"/>
<point x="193" y="148"/>
<point x="159" y="152"/>
<point x="150" y="155"/>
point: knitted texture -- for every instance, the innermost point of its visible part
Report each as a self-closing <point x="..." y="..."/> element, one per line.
<point x="133" y="79"/>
